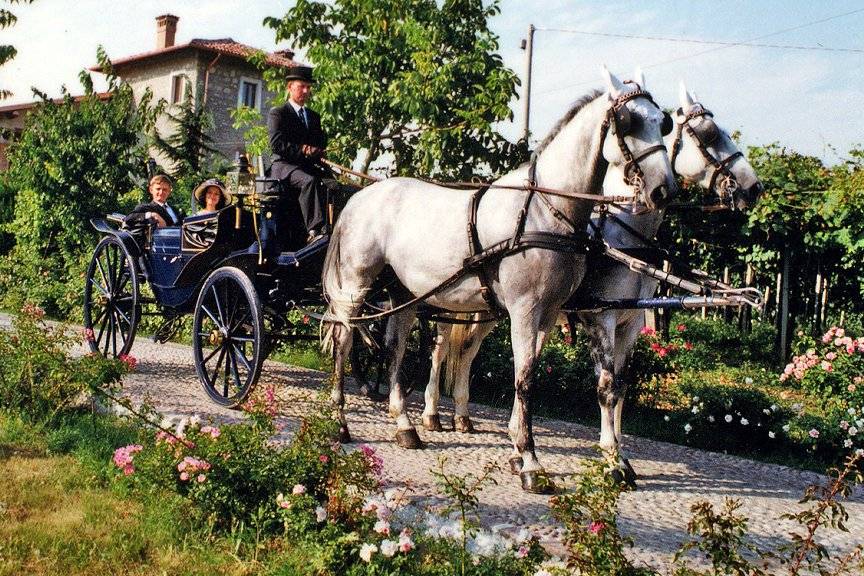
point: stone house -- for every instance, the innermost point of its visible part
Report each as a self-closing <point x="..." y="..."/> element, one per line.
<point x="218" y="71"/>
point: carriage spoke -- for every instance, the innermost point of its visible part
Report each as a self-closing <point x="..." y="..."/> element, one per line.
<point x="221" y="321"/>
<point x="225" y="374"/>
<point x="120" y="315"/>
<point x="234" y="370"/>
<point x="107" y="287"/>
<point x="239" y="323"/>
<point x="209" y="356"/>
<point x="241" y="354"/>
<point x="113" y="334"/>
<point x="215" y="377"/>
<point x="210" y="314"/>
<point x="243" y="338"/>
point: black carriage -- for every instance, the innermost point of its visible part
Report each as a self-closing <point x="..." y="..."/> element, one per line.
<point x="239" y="272"/>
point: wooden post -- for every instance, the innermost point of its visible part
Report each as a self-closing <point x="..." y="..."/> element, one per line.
<point x="824" y="304"/>
<point x="744" y="313"/>
<point x="817" y="301"/>
<point x="727" y="310"/>
<point x="784" y="326"/>
<point x="528" y="46"/>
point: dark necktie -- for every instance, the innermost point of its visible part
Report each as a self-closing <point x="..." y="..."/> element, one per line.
<point x="302" y="113"/>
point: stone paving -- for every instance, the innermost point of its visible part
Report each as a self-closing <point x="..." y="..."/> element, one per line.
<point x="671" y="477"/>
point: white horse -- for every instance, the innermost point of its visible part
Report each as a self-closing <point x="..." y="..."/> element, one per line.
<point x="417" y="230"/>
<point x="700" y="152"/>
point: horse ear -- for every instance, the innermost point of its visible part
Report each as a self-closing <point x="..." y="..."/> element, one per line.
<point x="694" y="97"/>
<point x="639" y="77"/>
<point x="613" y="84"/>
<point x="684" y="96"/>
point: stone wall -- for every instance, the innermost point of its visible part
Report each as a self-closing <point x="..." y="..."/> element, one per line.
<point x="222" y="85"/>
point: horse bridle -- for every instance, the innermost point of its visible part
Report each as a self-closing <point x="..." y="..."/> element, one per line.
<point x="618" y="115"/>
<point x="728" y="183"/>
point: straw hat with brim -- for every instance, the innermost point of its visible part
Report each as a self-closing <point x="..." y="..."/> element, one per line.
<point x="202" y="188"/>
<point x="300" y="73"/>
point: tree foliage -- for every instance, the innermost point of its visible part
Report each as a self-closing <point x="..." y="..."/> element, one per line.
<point x="74" y="161"/>
<point x="189" y="142"/>
<point x="417" y="82"/>
<point x="7" y="51"/>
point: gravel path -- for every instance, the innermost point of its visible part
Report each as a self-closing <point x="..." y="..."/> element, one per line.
<point x="671" y="477"/>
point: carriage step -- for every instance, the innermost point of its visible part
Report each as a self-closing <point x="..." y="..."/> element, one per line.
<point x="295" y="258"/>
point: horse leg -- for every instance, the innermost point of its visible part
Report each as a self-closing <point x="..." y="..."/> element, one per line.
<point x="398" y="329"/>
<point x="342" y="338"/>
<point x="625" y="339"/>
<point x="431" y="418"/>
<point x="527" y="342"/>
<point x="464" y="346"/>
<point x="601" y="332"/>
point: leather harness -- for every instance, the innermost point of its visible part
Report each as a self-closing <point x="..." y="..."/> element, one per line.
<point x="481" y="260"/>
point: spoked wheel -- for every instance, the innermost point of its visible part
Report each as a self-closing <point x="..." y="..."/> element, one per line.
<point x="369" y="363"/>
<point x="228" y="336"/>
<point x="111" y="299"/>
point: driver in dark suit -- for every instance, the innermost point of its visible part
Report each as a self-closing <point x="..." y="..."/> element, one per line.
<point x="298" y="142"/>
<point x="157" y="211"/>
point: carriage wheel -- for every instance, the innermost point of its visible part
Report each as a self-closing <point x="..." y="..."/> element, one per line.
<point x="369" y="366"/>
<point x="111" y="294"/>
<point x="228" y="336"/>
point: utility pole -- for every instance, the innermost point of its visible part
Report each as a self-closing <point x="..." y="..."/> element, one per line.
<point x="528" y="46"/>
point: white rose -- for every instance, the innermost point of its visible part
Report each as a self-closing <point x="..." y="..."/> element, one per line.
<point x="687" y="428"/>
<point x="389" y="548"/>
<point x="744" y="422"/>
<point x="320" y="514"/>
<point x="771" y="435"/>
<point x="366" y="552"/>
<point x="728" y="418"/>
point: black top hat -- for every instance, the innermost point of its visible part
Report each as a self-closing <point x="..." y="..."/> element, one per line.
<point x="300" y="73"/>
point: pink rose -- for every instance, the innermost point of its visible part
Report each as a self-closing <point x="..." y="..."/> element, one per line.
<point x="596" y="527"/>
<point x="323" y="458"/>
<point x="184" y="476"/>
<point x="298" y="489"/>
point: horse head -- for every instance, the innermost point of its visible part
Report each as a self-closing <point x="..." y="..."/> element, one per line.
<point x="633" y="146"/>
<point x="704" y="153"/>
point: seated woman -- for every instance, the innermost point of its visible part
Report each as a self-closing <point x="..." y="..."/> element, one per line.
<point x="199" y="231"/>
<point x="211" y="196"/>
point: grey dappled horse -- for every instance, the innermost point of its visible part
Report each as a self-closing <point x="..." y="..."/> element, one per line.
<point x="418" y="230"/>
<point x="702" y="153"/>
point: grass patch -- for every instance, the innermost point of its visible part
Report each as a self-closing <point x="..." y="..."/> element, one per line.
<point x="56" y="517"/>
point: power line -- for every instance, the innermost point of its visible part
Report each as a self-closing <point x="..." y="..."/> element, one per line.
<point x="721" y="47"/>
<point x="708" y="42"/>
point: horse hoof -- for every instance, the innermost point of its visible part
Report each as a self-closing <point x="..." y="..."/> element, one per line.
<point x="536" y="482"/>
<point x="432" y="423"/>
<point x="373" y="395"/>
<point x="630" y="475"/>
<point x="515" y="465"/>
<point x="344" y="435"/>
<point x="623" y="477"/>
<point x="463" y="424"/>
<point x="409" y="439"/>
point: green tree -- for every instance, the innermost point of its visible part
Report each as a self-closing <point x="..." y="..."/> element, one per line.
<point x="74" y="160"/>
<point x="7" y="51"/>
<point x="189" y="143"/>
<point x="188" y="147"/>
<point x="417" y="82"/>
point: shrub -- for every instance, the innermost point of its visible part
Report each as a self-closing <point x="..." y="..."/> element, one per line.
<point x="38" y="378"/>
<point x="831" y="368"/>
<point x="589" y="515"/>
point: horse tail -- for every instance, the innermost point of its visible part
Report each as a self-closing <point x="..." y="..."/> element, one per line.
<point x="331" y="283"/>
<point x="460" y="340"/>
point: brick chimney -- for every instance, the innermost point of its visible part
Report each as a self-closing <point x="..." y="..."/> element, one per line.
<point x="166" y="28"/>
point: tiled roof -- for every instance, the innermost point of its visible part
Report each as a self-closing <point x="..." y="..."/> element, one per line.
<point x="225" y="46"/>
<point x="11" y="109"/>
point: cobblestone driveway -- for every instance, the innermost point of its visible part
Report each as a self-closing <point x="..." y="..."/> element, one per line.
<point x="671" y="477"/>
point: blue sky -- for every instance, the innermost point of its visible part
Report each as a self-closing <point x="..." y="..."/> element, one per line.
<point x="807" y="100"/>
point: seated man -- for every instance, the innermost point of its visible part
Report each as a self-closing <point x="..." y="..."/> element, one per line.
<point x="157" y="211"/>
<point x="298" y="143"/>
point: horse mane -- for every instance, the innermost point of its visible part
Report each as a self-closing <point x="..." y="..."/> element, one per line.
<point x="577" y="106"/>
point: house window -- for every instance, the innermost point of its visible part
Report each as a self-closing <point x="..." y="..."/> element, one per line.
<point x="250" y="93"/>
<point x="178" y="88"/>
